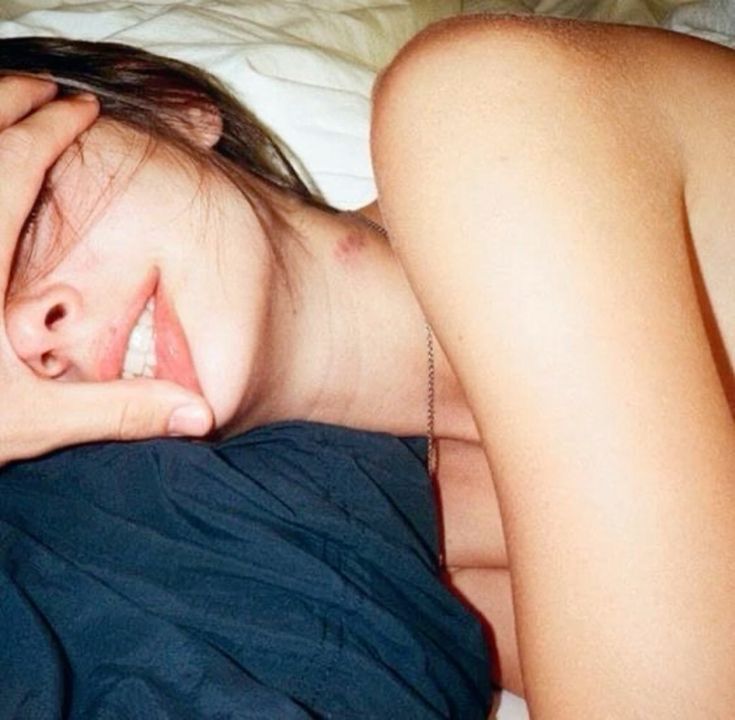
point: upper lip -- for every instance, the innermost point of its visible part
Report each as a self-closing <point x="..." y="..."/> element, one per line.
<point x="110" y="363"/>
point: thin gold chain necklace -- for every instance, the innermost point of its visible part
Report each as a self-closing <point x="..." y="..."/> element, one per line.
<point x="431" y="454"/>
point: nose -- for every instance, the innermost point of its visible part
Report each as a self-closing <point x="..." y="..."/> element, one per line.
<point x="40" y="329"/>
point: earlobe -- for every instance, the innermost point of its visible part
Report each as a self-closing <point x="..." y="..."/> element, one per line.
<point x="203" y="123"/>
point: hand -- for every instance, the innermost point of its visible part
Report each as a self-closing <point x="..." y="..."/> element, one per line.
<point x="38" y="415"/>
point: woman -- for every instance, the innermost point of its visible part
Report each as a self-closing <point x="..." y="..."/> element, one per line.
<point x="108" y="189"/>
<point x="561" y="237"/>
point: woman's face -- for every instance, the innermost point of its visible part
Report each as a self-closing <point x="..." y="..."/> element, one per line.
<point x="166" y="273"/>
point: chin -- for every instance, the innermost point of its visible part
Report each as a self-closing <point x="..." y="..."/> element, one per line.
<point x="227" y="378"/>
<point x="224" y="407"/>
<point x="225" y="397"/>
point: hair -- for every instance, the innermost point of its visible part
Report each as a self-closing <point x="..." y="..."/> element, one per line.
<point x="155" y="95"/>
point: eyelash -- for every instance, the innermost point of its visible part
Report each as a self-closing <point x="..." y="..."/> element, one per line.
<point x="32" y="217"/>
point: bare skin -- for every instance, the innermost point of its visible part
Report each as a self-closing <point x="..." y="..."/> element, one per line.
<point x="569" y="237"/>
<point x="553" y="412"/>
<point x="471" y="527"/>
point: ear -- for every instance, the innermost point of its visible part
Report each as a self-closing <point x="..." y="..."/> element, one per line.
<point x="203" y="123"/>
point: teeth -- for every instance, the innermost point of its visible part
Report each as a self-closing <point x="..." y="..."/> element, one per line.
<point x="140" y="357"/>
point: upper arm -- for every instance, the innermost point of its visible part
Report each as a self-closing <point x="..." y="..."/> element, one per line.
<point x="534" y="199"/>
<point x="538" y="213"/>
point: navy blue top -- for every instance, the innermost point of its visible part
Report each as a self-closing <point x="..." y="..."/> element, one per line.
<point x="290" y="572"/>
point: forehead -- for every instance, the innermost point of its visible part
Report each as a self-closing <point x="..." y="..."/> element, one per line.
<point x="97" y="165"/>
<point x="110" y="157"/>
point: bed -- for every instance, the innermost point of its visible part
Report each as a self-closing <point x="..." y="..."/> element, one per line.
<point x="306" y="67"/>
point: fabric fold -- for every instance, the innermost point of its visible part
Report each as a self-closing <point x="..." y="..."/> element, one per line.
<point x="290" y="572"/>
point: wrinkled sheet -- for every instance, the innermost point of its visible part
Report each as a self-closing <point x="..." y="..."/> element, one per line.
<point x="635" y="12"/>
<point x="712" y="20"/>
<point x="287" y="573"/>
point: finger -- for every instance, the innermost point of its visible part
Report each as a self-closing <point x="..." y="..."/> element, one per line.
<point x="20" y="96"/>
<point x="27" y="151"/>
<point x="72" y="413"/>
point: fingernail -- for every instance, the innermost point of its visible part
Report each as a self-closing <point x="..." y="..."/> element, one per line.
<point x="189" y="420"/>
<point x="86" y="96"/>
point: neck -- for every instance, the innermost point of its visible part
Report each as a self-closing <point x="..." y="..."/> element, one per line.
<point x="347" y="341"/>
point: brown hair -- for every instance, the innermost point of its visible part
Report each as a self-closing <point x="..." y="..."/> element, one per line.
<point x="155" y="95"/>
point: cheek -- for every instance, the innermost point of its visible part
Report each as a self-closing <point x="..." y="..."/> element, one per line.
<point x="226" y="307"/>
<point x="219" y="348"/>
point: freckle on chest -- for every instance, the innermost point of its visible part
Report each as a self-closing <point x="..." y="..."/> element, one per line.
<point x="349" y="247"/>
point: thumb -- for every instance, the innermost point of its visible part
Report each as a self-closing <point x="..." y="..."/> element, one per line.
<point x="124" y="410"/>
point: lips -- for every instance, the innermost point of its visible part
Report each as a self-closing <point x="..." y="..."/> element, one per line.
<point x="173" y="358"/>
<point x="113" y="351"/>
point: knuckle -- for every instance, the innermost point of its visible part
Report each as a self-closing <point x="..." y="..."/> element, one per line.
<point x="127" y="422"/>
<point x="138" y="419"/>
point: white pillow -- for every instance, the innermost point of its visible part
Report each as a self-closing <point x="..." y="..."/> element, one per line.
<point x="305" y="68"/>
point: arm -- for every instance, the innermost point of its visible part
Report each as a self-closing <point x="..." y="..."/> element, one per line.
<point x="538" y="215"/>
<point x="475" y="557"/>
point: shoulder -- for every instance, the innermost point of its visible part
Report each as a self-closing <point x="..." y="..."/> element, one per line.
<point x="517" y="64"/>
<point x="521" y="110"/>
<point x="498" y="48"/>
<point x="497" y="77"/>
<point x="579" y="44"/>
<point x="494" y="86"/>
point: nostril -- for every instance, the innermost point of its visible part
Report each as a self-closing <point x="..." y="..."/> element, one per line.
<point x="56" y="313"/>
<point x="52" y="366"/>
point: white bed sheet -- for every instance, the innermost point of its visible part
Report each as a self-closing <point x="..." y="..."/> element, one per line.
<point x="306" y="67"/>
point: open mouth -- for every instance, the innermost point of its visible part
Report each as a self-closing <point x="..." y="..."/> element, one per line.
<point x="140" y="354"/>
<point x="155" y="346"/>
<point x="130" y="344"/>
